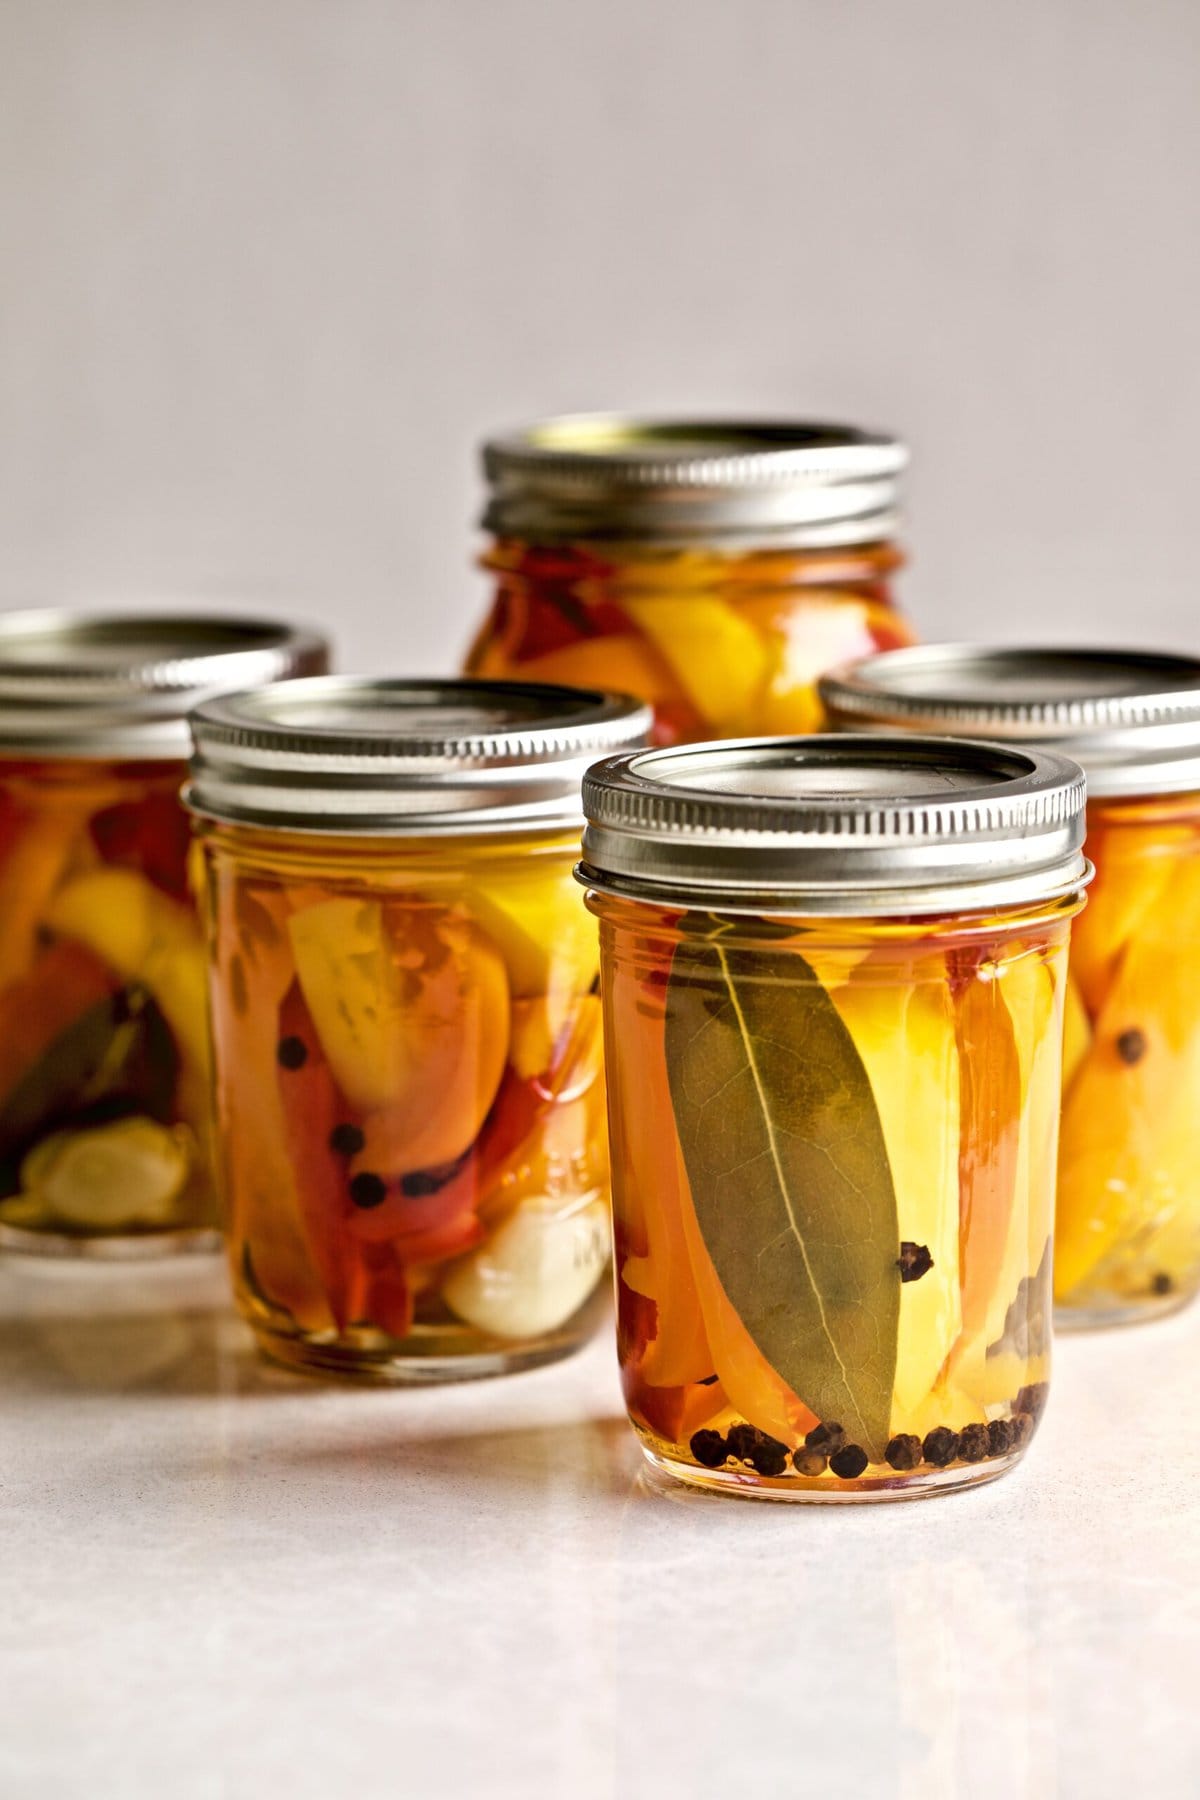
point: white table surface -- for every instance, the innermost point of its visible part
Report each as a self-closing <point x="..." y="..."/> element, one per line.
<point x="223" y="1580"/>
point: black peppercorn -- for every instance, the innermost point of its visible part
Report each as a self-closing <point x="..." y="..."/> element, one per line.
<point x="809" y="1462"/>
<point x="904" y="1451"/>
<point x="914" y="1261"/>
<point x="1132" y="1046"/>
<point x="1023" y="1425"/>
<point x="1000" y="1437"/>
<point x="1032" y="1399"/>
<point x="973" y="1443"/>
<point x="367" y="1190"/>
<point x="742" y="1440"/>
<point x="419" y="1183"/>
<point x="769" y="1457"/>
<point x="765" y="1454"/>
<point x="292" y="1053"/>
<point x="346" y="1140"/>
<point x="849" y="1462"/>
<point x="1162" y="1284"/>
<point x="940" y="1446"/>
<point x="825" y="1437"/>
<point x="708" y="1448"/>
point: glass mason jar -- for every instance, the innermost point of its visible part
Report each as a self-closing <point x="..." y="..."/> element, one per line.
<point x="713" y="569"/>
<point x="1127" y="1242"/>
<point x="104" y="1076"/>
<point x="833" y="973"/>
<point x="407" y="1034"/>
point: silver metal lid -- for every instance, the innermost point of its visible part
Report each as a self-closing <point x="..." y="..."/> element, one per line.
<point x="599" y="475"/>
<point x="361" y="757"/>
<point x="122" y="685"/>
<point x="1131" y="717"/>
<point x="864" y="826"/>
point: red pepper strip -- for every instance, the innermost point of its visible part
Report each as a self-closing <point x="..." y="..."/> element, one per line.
<point x="389" y="1298"/>
<point x="312" y="1107"/>
<point x="888" y="634"/>
<point x="672" y="1413"/>
<point x="64" y="982"/>
<point x="555" y="562"/>
<point x="410" y="1220"/>
<point x="432" y="1227"/>
<point x="152" y="835"/>
<point x="515" y="1112"/>
<point x="557" y="617"/>
<point x="637" y="1314"/>
<point x="677" y="722"/>
<point x="422" y="1227"/>
<point x="496" y="643"/>
<point x="440" y="1244"/>
<point x="379" y="1293"/>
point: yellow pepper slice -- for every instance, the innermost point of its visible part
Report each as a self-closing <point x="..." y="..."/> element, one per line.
<point x="904" y="1030"/>
<point x="1130" y="1152"/>
<point x="717" y="657"/>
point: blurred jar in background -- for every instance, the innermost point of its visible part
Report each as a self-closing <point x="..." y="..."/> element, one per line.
<point x="104" y="1065"/>
<point x="408" y="1042"/>
<point x="1127" y="1238"/>
<point x="713" y="569"/>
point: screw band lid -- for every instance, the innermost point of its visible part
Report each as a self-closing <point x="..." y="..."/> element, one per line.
<point x="1130" y="717"/>
<point x="675" y="481"/>
<point x="836" y="825"/>
<point x="360" y="756"/>
<point x="121" y="685"/>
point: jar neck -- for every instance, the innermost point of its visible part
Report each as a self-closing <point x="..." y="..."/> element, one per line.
<point x="297" y="854"/>
<point x="1144" y="809"/>
<point x="629" y="566"/>
<point x="652" y="919"/>
<point x="68" y="774"/>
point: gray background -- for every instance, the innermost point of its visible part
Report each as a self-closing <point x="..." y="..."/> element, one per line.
<point x="269" y="268"/>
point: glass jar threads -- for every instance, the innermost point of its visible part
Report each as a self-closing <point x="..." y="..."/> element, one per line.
<point x="833" y="972"/>
<point x="407" y="1032"/>
<point x="104" y="1068"/>
<point x="1127" y="1243"/>
<point x="715" y="569"/>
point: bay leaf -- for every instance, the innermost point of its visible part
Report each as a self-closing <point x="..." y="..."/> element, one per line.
<point x="116" y="1058"/>
<point x="789" y="1174"/>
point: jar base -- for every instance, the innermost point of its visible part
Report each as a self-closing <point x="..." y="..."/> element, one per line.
<point x="409" y="1368"/>
<point x="140" y="1246"/>
<point x="1104" y="1314"/>
<point x="797" y="1490"/>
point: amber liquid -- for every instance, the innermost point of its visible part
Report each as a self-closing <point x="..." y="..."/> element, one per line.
<point x="104" y="1063"/>
<point x="408" y="1054"/>
<point x="721" y="645"/>
<point x="950" y="1039"/>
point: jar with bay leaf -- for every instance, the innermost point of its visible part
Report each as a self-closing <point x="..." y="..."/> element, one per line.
<point x="832" y="974"/>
